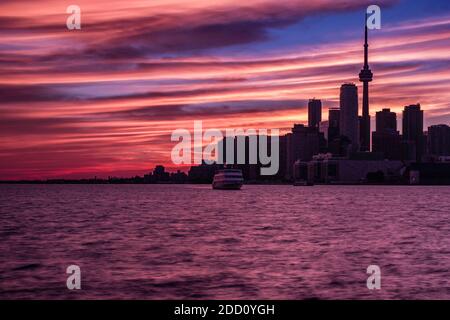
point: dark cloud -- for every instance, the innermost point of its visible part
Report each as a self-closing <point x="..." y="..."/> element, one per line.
<point x="16" y="125"/>
<point x="31" y="93"/>
<point x="202" y="111"/>
<point x="210" y="30"/>
<point x="180" y="34"/>
<point x="183" y="39"/>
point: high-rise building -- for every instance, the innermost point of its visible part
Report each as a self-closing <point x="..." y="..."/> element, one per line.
<point x="348" y="120"/>
<point x="439" y="140"/>
<point x="333" y="123"/>
<point x="386" y="139"/>
<point x="413" y="129"/>
<point x="302" y="144"/>
<point x="323" y="127"/>
<point x="365" y="76"/>
<point x="386" y="120"/>
<point x="314" y="113"/>
<point x="283" y="158"/>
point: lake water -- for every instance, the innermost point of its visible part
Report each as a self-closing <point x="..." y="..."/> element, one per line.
<point x="192" y="242"/>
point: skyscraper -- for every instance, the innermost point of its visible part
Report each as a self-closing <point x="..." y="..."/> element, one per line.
<point x="386" y="139"/>
<point x="439" y="140"/>
<point x="333" y="123"/>
<point x="386" y="120"/>
<point x="365" y="76"/>
<point x="302" y="144"/>
<point x="413" y="129"/>
<point x="323" y="127"/>
<point x="314" y="113"/>
<point x="348" y="121"/>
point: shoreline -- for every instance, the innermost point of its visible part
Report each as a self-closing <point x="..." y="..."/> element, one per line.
<point x="87" y="182"/>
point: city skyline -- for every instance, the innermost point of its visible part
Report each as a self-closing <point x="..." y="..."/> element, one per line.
<point x="73" y="119"/>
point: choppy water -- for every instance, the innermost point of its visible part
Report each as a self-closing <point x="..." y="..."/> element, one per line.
<point x="264" y="242"/>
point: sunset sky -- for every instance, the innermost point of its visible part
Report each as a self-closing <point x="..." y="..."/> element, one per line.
<point x="104" y="100"/>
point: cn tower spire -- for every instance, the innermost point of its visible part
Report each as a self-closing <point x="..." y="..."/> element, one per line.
<point x="366" y="47"/>
<point x="365" y="76"/>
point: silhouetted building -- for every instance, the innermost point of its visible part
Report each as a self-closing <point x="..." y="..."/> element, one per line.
<point x="323" y="128"/>
<point x="328" y="169"/>
<point x="439" y="140"/>
<point x="302" y="144"/>
<point x="365" y="76"/>
<point x="429" y="173"/>
<point x="334" y="115"/>
<point x="314" y="112"/>
<point x="160" y="174"/>
<point x="340" y="146"/>
<point x="389" y="144"/>
<point x="203" y="173"/>
<point x="178" y="177"/>
<point x="386" y="120"/>
<point x="366" y="156"/>
<point x="349" y="121"/>
<point x="408" y="150"/>
<point x="283" y="158"/>
<point x="413" y="129"/>
<point x="386" y="139"/>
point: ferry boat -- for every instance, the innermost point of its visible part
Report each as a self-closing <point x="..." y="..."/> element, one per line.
<point x="228" y="179"/>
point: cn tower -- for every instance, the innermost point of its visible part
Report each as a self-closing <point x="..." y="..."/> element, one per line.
<point x="365" y="76"/>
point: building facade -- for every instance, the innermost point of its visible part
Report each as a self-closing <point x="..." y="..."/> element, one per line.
<point x="413" y="130"/>
<point x="348" y="119"/>
<point x="314" y="113"/>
